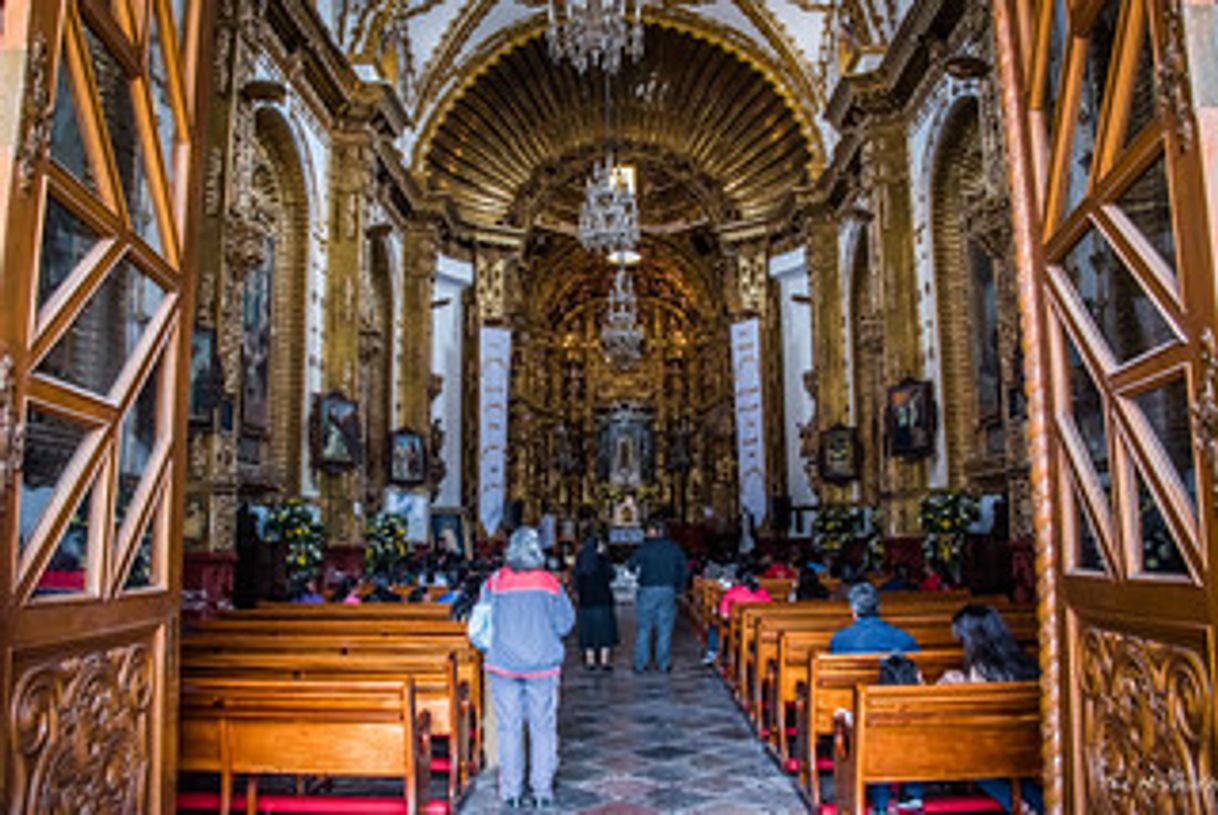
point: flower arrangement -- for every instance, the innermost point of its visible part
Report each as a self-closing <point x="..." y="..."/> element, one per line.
<point x="296" y="523"/>
<point x="835" y="526"/>
<point x="385" y="544"/>
<point x="945" y="518"/>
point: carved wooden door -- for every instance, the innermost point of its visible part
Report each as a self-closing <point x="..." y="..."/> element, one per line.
<point x="94" y="288"/>
<point x="1116" y="248"/>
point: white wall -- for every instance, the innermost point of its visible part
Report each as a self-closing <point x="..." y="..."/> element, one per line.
<point x="447" y="329"/>
<point x="790" y="270"/>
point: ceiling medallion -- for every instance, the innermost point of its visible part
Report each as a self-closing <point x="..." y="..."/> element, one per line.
<point x="609" y="217"/>
<point x="594" y="32"/>
<point x="621" y="336"/>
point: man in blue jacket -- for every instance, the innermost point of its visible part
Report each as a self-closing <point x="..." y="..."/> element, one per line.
<point x="868" y="633"/>
<point x="660" y="565"/>
<point x="531" y="614"/>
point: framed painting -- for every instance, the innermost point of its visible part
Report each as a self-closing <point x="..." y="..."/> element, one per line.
<point x="407" y="457"/>
<point x="448" y="531"/>
<point x="335" y="433"/>
<point x="840" y="454"/>
<point x="204" y="375"/>
<point x="911" y="419"/>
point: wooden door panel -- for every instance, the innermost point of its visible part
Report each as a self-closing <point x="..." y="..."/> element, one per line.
<point x="93" y="291"/>
<point x="1118" y="284"/>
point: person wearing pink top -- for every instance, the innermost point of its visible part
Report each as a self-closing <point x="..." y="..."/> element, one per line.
<point x="746" y="591"/>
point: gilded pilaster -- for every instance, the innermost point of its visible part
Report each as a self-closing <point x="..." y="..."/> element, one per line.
<point x="419" y="266"/>
<point x="829" y="328"/>
<point x="350" y="182"/>
<point x="886" y="178"/>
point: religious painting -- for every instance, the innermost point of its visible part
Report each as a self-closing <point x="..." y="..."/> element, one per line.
<point x="256" y="343"/>
<point x="911" y="419"/>
<point x="204" y="379"/>
<point x="407" y="457"/>
<point x="413" y="507"/>
<point x="840" y="454"/>
<point x="448" y="531"/>
<point x="335" y="433"/>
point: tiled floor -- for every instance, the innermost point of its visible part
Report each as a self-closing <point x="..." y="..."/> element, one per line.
<point x="656" y="743"/>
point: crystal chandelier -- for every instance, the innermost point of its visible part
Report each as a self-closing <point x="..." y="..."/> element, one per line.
<point x="609" y="217"/>
<point x="594" y="32"/>
<point x="621" y="336"/>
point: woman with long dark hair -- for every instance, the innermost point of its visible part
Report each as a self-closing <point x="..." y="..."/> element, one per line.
<point x="991" y="654"/>
<point x="597" y="618"/>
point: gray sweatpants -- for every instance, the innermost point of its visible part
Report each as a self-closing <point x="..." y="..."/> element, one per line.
<point x="518" y="701"/>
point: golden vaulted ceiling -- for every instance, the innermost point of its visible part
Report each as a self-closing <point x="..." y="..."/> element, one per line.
<point x="712" y="137"/>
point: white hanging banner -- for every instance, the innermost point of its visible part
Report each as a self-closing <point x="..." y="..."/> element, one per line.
<point x="750" y="417"/>
<point x="495" y="360"/>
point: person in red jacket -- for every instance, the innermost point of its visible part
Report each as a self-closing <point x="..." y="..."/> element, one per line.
<point x="747" y="590"/>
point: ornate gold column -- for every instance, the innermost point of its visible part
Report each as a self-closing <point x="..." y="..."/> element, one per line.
<point x="350" y="183"/>
<point x="419" y="248"/>
<point x="231" y="238"/>
<point x="885" y="177"/>
<point x="829" y="333"/>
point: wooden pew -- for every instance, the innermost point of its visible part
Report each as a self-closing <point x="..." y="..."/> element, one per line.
<point x="267" y="726"/>
<point x="786" y="667"/>
<point x="438" y="687"/>
<point x="297" y="611"/>
<point x="830" y="687"/>
<point x="790" y="615"/>
<point x="936" y="733"/>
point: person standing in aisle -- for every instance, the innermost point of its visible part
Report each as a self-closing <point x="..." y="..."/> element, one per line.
<point x="661" y="568"/>
<point x="531" y="614"/>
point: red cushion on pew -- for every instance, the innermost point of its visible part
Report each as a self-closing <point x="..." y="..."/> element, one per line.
<point x="331" y="805"/>
<point x="962" y="803"/>
<point x="315" y="805"/>
<point x="792" y="732"/>
<point x="765" y="733"/>
<point x="198" y="800"/>
<point x="824" y="764"/>
<point x="441" y="764"/>
<point x="792" y="765"/>
<point x="828" y="809"/>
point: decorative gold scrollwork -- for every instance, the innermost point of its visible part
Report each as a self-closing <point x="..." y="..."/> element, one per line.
<point x="1147" y="716"/>
<point x="12" y="429"/>
<point x="36" y="113"/>
<point x="1175" y="99"/>
<point x="82" y="735"/>
<point x="1205" y="410"/>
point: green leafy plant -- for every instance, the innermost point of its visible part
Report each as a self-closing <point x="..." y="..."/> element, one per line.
<point x="945" y="518"/>
<point x="385" y="544"/>
<point x="295" y="522"/>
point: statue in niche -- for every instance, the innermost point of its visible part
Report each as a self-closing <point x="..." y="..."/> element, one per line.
<point x="626" y="461"/>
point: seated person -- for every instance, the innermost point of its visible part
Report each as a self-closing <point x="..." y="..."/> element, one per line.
<point x="897" y="669"/>
<point x="992" y="655"/>
<point x="746" y="591"/>
<point x="809" y="586"/>
<point x="346" y="593"/>
<point x="309" y="595"/>
<point x="868" y="633"/>
<point x="776" y="569"/>
<point x="900" y="580"/>
<point x="381" y="592"/>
